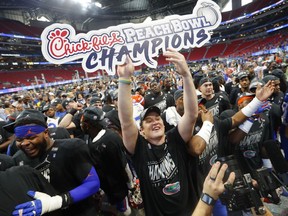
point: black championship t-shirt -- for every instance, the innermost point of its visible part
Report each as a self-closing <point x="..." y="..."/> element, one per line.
<point x="15" y="182"/>
<point x="162" y="101"/>
<point x="108" y="157"/>
<point x="217" y="142"/>
<point x="65" y="166"/>
<point x="275" y="121"/>
<point x="165" y="180"/>
<point x="217" y="104"/>
<point x="250" y="146"/>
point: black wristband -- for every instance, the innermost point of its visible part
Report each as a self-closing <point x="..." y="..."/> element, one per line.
<point x="73" y="111"/>
<point x="66" y="200"/>
<point x="206" y="198"/>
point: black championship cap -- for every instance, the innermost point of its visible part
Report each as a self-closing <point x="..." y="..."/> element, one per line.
<point x="178" y="93"/>
<point x="242" y="75"/>
<point x="278" y="73"/>
<point x="269" y="77"/>
<point x="27" y="117"/>
<point x="94" y="116"/>
<point x="46" y="107"/>
<point x="204" y="80"/>
<point x="254" y="83"/>
<point x="55" y="102"/>
<point x="147" y="111"/>
<point x="113" y="117"/>
<point x="66" y="102"/>
<point x="94" y="100"/>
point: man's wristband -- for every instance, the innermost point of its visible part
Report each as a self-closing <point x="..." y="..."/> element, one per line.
<point x="66" y="200"/>
<point x="252" y="107"/>
<point x="205" y="131"/>
<point x="73" y="111"/>
<point x="206" y="198"/>
<point x="124" y="81"/>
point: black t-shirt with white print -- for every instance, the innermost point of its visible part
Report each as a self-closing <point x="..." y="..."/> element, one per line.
<point x="213" y="150"/>
<point x="162" y="101"/>
<point x="165" y="177"/>
<point x="217" y="104"/>
<point x="249" y="149"/>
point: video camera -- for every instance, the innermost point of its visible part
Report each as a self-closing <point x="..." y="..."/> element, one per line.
<point x="242" y="195"/>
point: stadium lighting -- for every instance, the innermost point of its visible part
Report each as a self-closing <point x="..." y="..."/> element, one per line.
<point x="84" y="3"/>
<point x="98" y="4"/>
<point x="43" y="19"/>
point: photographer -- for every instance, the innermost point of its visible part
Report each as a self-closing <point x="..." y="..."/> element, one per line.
<point x="213" y="186"/>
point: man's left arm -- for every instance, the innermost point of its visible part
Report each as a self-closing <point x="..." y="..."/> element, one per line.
<point x="45" y="203"/>
<point x="187" y="122"/>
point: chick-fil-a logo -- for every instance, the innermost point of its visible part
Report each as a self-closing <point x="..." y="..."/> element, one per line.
<point x="106" y="48"/>
<point x="61" y="47"/>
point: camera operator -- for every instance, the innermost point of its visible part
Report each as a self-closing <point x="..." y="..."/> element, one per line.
<point x="213" y="186"/>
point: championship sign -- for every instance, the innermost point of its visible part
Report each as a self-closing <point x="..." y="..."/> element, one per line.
<point x="106" y="48"/>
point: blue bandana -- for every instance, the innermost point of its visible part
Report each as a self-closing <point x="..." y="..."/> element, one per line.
<point x="28" y="130"/>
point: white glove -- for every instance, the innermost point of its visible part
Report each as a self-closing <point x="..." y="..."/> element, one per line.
<point x="42" y="204"/>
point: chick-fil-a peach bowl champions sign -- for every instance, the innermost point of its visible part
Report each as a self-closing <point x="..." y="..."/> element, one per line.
<point x="106" y="48"/>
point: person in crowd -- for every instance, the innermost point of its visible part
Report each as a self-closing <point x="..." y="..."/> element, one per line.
<point x="80" y="99"/>
<point x="54" y="133"/>
<point x="108" y="157"/>
<point x="197" y="76"/>
<point x="282" y="77"/>
<point x="96" y="102"/>
<point x="250" y="148"/>
<point x="161" y="159"/>
<point x="251" y="72"/>
<point x="277" y="96"/>
<point x="110" y="100"/>
<point x="168" y="85"/>
<point x="244" y="83"/>
<point x="275" y="102"/>
<point x="27" y="102"/>
<point x="50" y="112"/>
<point x="172" y="115"/>
<point x="135" y="197"/>
<point x="63" y="162"/>
<point x="60" y="111"/>
<point x="216" y="103"/>
<point x="71" y="121"/>
<point x="140" y="89"/>
<point x="157" y="97"/>
<point x="137" y="97"/>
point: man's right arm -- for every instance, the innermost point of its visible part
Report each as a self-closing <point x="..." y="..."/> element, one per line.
<point x="125" y="107"/>
<point x="262" y="94"/>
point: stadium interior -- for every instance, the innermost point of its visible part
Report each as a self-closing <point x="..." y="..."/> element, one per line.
<point x="244" y="32"/>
